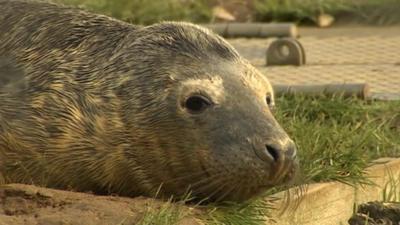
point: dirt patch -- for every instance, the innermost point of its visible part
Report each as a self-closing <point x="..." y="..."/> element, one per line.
<point x="377" y="213"/>
<point x="31" y="205"/>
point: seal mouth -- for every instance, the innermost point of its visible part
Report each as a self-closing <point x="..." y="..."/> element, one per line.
<point x="285" y="173"/>
<point x="290" y="173"/>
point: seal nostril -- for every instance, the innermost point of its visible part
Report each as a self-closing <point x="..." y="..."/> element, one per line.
<point x="291" y="151"/>
<point x="273" y="152"/>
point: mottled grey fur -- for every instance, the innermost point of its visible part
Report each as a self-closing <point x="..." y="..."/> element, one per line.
<point x="98" y="107"/>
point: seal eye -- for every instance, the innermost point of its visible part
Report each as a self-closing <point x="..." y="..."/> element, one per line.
<point x="270" y="103"/>
<point x="268" y="99"/>
<point x="197" y="103"/>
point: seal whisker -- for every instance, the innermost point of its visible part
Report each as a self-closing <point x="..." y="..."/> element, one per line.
<point x="217" y="190"/>
<point x="228" y="191"/>
<point x="216" y="181"/>
<point x="180" y="178"/>
<point x="205" y="180"/>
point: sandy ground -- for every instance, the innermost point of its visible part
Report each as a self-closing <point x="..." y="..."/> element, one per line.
<point x="31" y="205"/>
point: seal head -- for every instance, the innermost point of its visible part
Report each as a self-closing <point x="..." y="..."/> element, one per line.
<point x="211" y="111"/>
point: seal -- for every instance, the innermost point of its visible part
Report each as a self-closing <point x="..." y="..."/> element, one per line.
<point x="105" y="106"/>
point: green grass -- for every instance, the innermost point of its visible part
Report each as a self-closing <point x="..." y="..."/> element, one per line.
<point x="336" y="137"/>
<point x="170" y="212"/>
<point x="253" y="212"/>
<point x="296" y="10"/>
<point x="167" y="213"/>
<point x="376" y="12"/>
<point x="147" y="12"/>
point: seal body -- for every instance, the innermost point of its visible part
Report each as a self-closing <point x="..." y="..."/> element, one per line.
<point x="104" y="106"/>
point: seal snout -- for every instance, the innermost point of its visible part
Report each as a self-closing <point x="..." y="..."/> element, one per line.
<point x="280" y="156"/>
<point x="277" y="153"/>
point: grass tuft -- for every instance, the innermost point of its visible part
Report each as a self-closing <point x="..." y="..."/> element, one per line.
<point x="170" y="212"/>
<point x="253" y="212"/>
<point x="391" y="190"/>
<point x="337" y="138"/>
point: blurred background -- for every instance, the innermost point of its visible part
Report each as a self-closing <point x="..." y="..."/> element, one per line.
<point x="357" y="43"/>
<point x="305" y="12"/>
